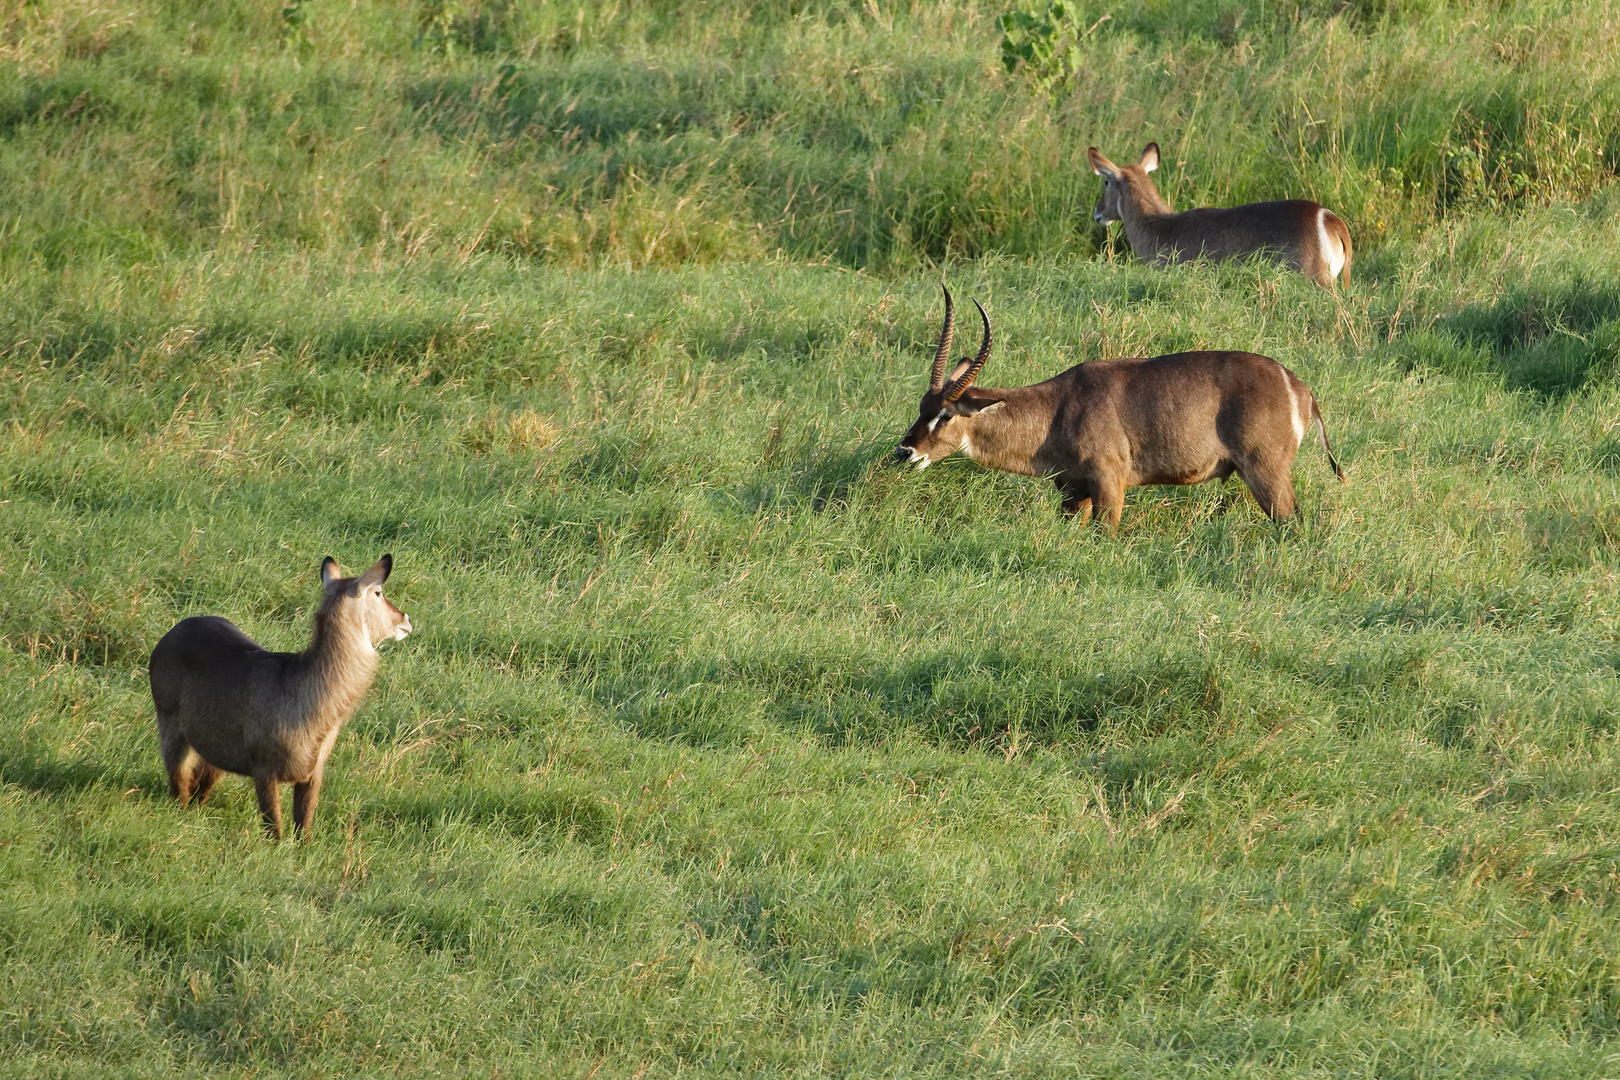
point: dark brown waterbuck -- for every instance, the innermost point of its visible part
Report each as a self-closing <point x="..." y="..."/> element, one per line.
<point x="1106" y="425"/>
<point x="1307" y="236"/>
<point x="225" y="704"/>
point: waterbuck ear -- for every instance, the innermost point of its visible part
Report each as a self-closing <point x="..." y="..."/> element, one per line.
<point x="971" y="404"/>
<point x="378" y="573"/>
<point x="1101" y="165"/>
<point x="330" y="570"/>
<point x="1150" y="157"/>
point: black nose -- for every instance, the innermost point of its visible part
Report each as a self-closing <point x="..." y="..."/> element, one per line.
<point x="902" y="454"/>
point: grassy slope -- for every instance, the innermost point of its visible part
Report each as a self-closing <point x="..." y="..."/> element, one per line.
<point x="723" y="747"/>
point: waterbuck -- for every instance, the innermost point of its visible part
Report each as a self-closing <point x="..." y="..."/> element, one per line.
<point x="224" y="704"/>
<point x="1307" y="236"/>
<point x="1106" y="425"/>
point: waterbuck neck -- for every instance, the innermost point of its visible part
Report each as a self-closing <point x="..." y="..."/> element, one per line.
<point x="336" y="670"/>
<point x="1008" y="437"/>
<point x="1140" y="208"/>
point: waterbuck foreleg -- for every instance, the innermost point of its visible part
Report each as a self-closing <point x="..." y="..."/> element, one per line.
<point x="1109" y="498"/>
<point x="305" y="796"/>
<point x="269" y="804"/>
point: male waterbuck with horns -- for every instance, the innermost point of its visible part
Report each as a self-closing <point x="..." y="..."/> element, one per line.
<point x="1307" y="236"/>
<point x="224" y="704"/>
<point x="1106" y="425"/>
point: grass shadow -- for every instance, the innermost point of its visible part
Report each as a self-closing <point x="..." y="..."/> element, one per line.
<point x="1550" y="339"/>
<point x="818" y="479"/>
<point x="518" y="811"/>
<point x="170" y="925"/>
<point x="955" y="701"/>
<point x="58" y="778"/>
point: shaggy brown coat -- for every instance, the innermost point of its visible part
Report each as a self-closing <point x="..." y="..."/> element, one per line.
<point x="1307" y="236"/>
<point x="1106" y="425"/>
<point x="225" y="704"/>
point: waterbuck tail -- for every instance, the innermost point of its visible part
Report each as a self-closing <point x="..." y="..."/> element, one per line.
<point x="1321" y="429"/>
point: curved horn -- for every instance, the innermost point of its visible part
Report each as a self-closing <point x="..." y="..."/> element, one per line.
<point x="959" y="387"/>
<point x="943" y="353"/>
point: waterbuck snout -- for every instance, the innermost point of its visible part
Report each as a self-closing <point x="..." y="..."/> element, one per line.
<point x="1106" y="425"/>
<point x="1307" y="236"/>
<point x="225" y="704"/>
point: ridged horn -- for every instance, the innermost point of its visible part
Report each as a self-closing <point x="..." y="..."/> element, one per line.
<point x="943" y="353"/>
<point x="959" y="387"/>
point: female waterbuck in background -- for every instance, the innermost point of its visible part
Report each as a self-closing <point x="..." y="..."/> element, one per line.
<point x="1307" y="236"/>
<point x="226" y="705"/>
<point x="1107" y="425"/>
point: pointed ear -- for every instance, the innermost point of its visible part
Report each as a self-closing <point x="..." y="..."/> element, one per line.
<point x="1099" y="164"/>
<point x="330" y="570"/>
<point x="971" y="404"/>
<point x="378" y="573"/>
<point x="1150" y="157"/>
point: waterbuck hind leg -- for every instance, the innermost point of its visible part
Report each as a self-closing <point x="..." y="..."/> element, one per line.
<point x="1076" y="498"/>
<point x="178" y="759"/>
<point x="1313" y="263"/>
<point x="269" y="804"/>
<point x="305" y="796"/>
<point x="1273" y="491"/>
<point x="203" y="778"/>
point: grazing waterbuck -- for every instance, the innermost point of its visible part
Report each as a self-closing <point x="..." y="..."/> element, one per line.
<point x="225" y="704"/>
<point x="1307" y="236"/>
<point x="1106" y="425"/>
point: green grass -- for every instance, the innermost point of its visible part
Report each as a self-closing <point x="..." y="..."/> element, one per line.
<point x="722" y="746"/>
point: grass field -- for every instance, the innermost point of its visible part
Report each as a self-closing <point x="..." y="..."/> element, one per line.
<point x="723" y="746"/>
